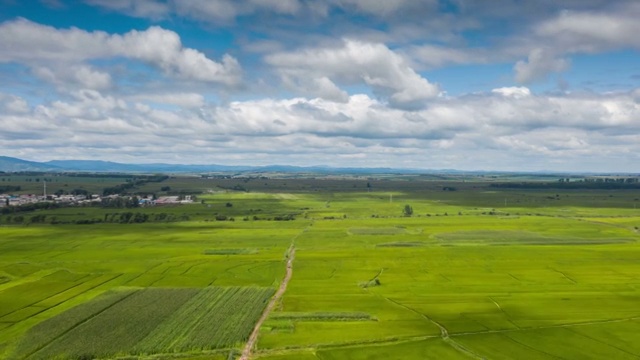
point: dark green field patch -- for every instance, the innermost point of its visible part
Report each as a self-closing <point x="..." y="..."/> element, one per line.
<point x="230" y="251"/>
<point x="497" y="237"/>
<point x="323" y="316"/>
<point x="278" y="326"/>
<point x="401" y="244"/>
<point x="377" y="231"/>
<point x="20" y="269"/>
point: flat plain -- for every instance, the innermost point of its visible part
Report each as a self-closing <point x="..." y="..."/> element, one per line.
<point x="479" y="272"/>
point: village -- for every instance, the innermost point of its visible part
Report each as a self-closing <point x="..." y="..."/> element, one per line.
<point x="92" y="199"/>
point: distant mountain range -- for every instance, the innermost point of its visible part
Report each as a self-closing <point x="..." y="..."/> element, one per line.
<point x="9" y="164"/>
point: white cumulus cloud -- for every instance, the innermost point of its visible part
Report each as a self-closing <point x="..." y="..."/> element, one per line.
<point x="28" y="42"/>
<point x="513" y="91"/>
<point x="352" y="63"/>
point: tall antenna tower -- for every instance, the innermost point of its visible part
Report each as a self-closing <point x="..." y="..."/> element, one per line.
<point x="44" y="183"/>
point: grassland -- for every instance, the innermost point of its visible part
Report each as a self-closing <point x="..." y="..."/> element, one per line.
<point x="478" y="272"/>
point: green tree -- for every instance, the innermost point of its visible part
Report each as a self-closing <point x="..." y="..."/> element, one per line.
<point x="408" y="210"/>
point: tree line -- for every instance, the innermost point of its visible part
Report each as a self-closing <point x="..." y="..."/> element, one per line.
<point x="589" y="185"/>
<point x="131" y="183"/>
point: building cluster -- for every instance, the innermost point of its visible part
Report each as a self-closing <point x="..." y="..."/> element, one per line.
<point x="18" y="200"/>
<point x="167" y="200"/>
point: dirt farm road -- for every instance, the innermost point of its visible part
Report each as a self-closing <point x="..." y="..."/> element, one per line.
<point x="246" y="352"/>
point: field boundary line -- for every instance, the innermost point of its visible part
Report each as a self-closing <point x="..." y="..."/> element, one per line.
<point x="345" y="345"/>
<point x="565" y="275"/>
<point x="192" y="266"/>
<point x="444" y="333"/>
<point x="143" y="273"/>
<point x="38" y="275"/>
<point x="529" y="346"/>
<point x="71" y="298"/>
<point x="586" y="323"/>
<point x="52" y="295"/>
<point x="602" y="342"/>
<point x="29" y="278"/>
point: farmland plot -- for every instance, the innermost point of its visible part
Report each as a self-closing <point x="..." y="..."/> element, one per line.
<point x="49" y="330"/>
<point x="507" y="288"/>
<point x="120" y="327"/>
<point x="449" y="282"/>
<point x="148" y="321"/>
<point x="214" y="318"/>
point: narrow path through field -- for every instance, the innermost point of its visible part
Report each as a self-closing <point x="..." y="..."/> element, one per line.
<point x="444" y="334"/>
<point x="246" y="352"/>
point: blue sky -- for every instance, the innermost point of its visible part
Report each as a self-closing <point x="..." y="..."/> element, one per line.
<point x="519" y="85"/>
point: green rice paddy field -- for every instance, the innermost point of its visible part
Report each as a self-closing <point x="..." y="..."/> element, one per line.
<point x="470" y="274"/>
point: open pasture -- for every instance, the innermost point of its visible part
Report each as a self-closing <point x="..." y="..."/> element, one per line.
<point x="467" y="275"/>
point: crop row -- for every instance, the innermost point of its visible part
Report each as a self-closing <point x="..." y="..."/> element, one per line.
<point x="215" y="318"/>
<point x="148" y="321"/>
<point x="47" y="331"/>
<point x="120" y="327"/>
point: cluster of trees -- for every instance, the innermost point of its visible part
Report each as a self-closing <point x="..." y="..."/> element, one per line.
<point x="120" y="218"/>
<point x="593" y="184"/>
<point x="287" y="217"/>
<point x="15" y="219"/>
<point x="630" y="180"/>
<point x="34" y="179"/>
<point x="9" y="188"/>
<point x="20" y="219"/>
<point x="236" y="187"/>
<point x="38" y="219"/>
<point x="120" y="202"/>
<point x="61" y="192"/>
<point x="118" y="189"/>
<point x="97" y="175"/>
<point x="28" y="207"/>
<point x="128" y="217"/>
<point x="136" y="181"/>
<point x="27" y="179"/>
